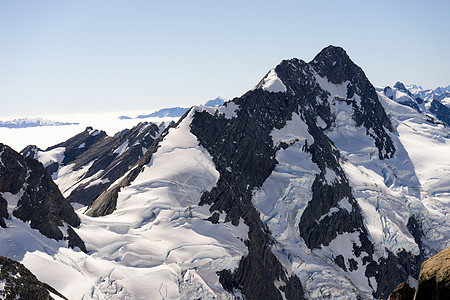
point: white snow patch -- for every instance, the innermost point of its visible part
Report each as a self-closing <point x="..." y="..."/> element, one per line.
<point x="49" y="157"/>
<point x="12" y="199"/>
<point x="97" y="182"/>
<point x="228" y="110"/>
<point x="321" y="123"/>
<point x="82" y="145"/>
<point x="330" y="175"/>
<point x="344" y="203"/>
<point x="295" y="130"/>
<point x="342" y="245"/>
<point x="94" y="132"/>
<point x="337" y="91"/>
<point x="272" y="83"/>
<point x="68" y="179"/>
<point x="122" y="148"/>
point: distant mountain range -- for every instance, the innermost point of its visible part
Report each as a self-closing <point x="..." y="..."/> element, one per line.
<point x="429" y="94"/>
<point x="175" y="112"/>
<point x="32" y="122"/>
<point x="434" y="103"/>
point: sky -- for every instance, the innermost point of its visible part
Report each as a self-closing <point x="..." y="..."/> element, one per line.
<point x="111" y="55"/>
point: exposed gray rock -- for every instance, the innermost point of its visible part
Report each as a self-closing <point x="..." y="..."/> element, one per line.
<point x="20" y="283"/>
<point x="441" y="111"/>
<point x="100" y="151"/>
<point x="41" y="202"/>
<point x="106" y="201"/>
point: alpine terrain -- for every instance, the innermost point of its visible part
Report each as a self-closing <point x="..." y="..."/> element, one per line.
<point x="312" y="185"/>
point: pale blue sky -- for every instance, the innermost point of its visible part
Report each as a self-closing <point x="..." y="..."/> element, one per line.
<point x="109" y="55"/>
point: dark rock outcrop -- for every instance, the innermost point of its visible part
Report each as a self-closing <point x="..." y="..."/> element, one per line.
<point x="106" y="201"/>
<point x="244" y="145"/>
<point x="434" y="280"/>
<point x="20" y="283"/>
<point x="441" y="111"/>
<point x="402" y="292"/>
<point x="3" y="212"/>
<point x="39" y="200"/>
<point x="108" y="158"/>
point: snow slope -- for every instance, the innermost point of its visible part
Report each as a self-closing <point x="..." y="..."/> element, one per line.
<point x="156" y="245"/>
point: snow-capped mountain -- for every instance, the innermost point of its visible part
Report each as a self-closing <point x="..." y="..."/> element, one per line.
<point x="32" y="122"/>
<point x="428" y="94"/>
<point x="86" y="164"/>
<point x="312" y="185"/>
<point x="435" y="104"/>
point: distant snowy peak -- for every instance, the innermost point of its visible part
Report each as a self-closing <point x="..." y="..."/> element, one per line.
<point x="32" y="122"/>
<point x="432" y="102"/>
<point x="399" y="95"/>
<point x="175" y="112"/>
<point x="216" y="102"/>
<point x="414" y="88"/>
<point x="429" y="94"/>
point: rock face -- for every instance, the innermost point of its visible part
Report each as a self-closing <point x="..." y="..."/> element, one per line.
<point x="17" y="282"/>
<point x="402" y="292"/>
<point x="31" y="195"/>
<point x="441" y="111"/>
<point x="434" y="280"/>
<point x="106" y="202"/>
<point x="95" y="158"/>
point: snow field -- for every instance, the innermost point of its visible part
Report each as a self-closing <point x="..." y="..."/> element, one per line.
<point x="156" y="245"/>
<point x="159" y="227"/>
<point x="272" y="83"/>
<point x="427" y="145"/>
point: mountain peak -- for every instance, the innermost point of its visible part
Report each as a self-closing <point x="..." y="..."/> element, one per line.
<point x="334" y="63"/>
